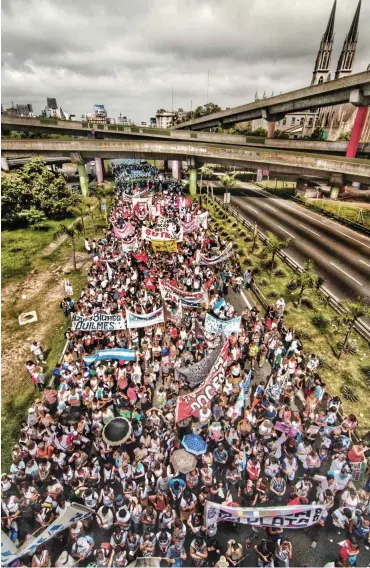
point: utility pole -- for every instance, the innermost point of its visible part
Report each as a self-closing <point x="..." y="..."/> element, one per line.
<point x="191" y="109"/>
<point x="172" y="98"/>
<point x="207" y="87"/>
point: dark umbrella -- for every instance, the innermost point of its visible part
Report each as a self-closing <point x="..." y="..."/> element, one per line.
<point x="117" y="431"/>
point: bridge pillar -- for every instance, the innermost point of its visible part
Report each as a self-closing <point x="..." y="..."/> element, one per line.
<point x="357" y="129"/>
<point x="176" y="169"/>
<point x="4" y="164"/>
<point x="193" y="181"/>
<point x="336" y="182"/>
<point x="99" y="170"/>
<point x="165" y="166"/>
<point x="83" y="179"/>
<point x="271" y="129"/>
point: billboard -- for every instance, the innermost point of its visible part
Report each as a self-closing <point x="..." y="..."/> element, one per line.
<point x="99" y="109"/>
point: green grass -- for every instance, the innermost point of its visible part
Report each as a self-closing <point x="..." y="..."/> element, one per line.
<point x="351" y="211"/>
<point x="17" y="390"/>
<point x="21" y="248"/>
<point x="347" y="371"/>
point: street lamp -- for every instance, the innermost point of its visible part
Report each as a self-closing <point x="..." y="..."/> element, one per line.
<point x="191" y="109"/>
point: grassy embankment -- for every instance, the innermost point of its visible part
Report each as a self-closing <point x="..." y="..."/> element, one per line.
<point x="313" y="319"/>
<point x="29" y="283"/>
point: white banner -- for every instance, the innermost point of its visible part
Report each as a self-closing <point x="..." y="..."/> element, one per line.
<point x="101" y="322"/>
<point x="216" y="326"/>
<point x="73" y="514"/>
<point x="290" y="517"/>
<point x="221" y="257"/>
<point x="8" y="549"/>
<point x="154" y="235"/>
<point x="144" y="320"/>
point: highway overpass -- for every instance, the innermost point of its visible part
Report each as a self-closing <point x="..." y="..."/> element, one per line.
<point x="115" y="131"/>
<point x="274" y="160"/>
<point x="353" y="89"/>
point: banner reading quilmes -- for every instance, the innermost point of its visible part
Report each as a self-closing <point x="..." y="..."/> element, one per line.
<point x="143" y="320"/>
<point x="290" y="517"/>
<point x="216" y="326"/>
<point x="73" y="514"/>
<point x="98" y="322"/>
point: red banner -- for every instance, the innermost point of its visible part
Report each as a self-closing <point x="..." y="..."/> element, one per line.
<point x="190" y="404"/>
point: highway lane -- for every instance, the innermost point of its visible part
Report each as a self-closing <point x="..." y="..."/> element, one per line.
<point x="340" y="255"/>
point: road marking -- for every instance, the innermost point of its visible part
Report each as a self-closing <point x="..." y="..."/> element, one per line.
<point x="269" y="207"/>
<point x="314" y="219"/>
<point x="346" y="273"/>
<point x="285" y="231"/>
<point x="249" y="305"/>
<point x="363" y="262"/>
<point x="253" y="209"/>
<point x="308" y="229"/>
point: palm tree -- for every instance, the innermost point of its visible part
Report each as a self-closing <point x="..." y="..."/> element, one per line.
<point x="354" y="310"/>
<point x="205" y="172"/>
<point x="274" y="245"/>
<point x="307" y="279"/>
<point x="80" y="210"/>
<point x="71" y="232"/>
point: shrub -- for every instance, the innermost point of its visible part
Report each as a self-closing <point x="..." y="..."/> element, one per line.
<point x="307" y="303"/>
<point x="263" y="282"/>
<point x="301" y="334"/>
<point x="256" y="271"/>
<point x="292" y="285"/>
<point x="273" y="294"/>
<point x="351" y="349"/>
<point x="320" y="321"/>
<point x="280" y="273"/>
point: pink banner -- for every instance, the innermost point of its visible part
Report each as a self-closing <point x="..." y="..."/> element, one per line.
<point x="127" y="231"/>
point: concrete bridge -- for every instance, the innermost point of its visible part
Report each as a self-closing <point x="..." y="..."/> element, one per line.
<point x="115" y="131"/>
<point x="353" y="89"/>
<point x="337" y="170"/>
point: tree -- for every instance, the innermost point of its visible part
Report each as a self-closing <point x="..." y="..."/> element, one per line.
<point x="35" y="219"/>
<point x="317" y="134"/>
<point x="35" y="186"/>
<point x="354" y="310"/>
<point x="228" y="182"/>
<point x="281" y="134"/>
<point x="274" y="245"/>
<point x="243" y="127"/>
<point x="344" y="136"/>
<point x="205" y="172"/>
<point x="307" y="279"/>
<point x="72" y="232"/>
<point x="259" y="132"/>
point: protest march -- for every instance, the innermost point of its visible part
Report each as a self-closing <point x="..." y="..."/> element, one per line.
<point x="176" y="426"/>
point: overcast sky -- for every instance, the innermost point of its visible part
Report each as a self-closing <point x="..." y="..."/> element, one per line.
<point x="127" y="54"/>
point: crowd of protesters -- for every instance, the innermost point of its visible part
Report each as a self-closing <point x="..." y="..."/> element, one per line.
<point x="143" y="506"/>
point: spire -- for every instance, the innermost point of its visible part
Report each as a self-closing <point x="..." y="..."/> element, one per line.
<point x="348" y="52"/>
<point x="353" y="30"/>
<point x="321" y="72"/>
<point x="329" y="32"/>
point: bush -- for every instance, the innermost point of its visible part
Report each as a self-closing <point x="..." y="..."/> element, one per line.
<point x="280" y="273"/>
<point x="256" y="271"/>
<point x="320" y="321"/>
<point x="307" y="303"/>
<point x="263" y="282"/>
<point x="292" y="285"/>
<point x="301" y="334"/>
<point x="273" y="294"/>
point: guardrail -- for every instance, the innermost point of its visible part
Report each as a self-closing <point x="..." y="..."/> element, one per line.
<point x="320" y="211"/>
<point x="361" y="327"/>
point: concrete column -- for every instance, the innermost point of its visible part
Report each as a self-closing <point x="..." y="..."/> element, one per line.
<point x="4" y="164"/>
<point x="335" y="191"/>
<point x="271" y="129"/>
<point x="84" y="185"/>
<point x="336" y="182"/>
<point x="356" y="133"/>
<point x="193" y="181"/>
<point x="99" y="170"/>
<point x="165" y="165"/>
<point x="176" y="169"/>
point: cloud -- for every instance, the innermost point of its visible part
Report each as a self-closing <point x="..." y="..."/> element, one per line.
<point x="128" y="55"/>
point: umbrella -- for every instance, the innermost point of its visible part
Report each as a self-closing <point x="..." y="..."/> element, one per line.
<point x="116" y="431"/>
<point x="194" y="444"/>
<point x="182" y="461"/>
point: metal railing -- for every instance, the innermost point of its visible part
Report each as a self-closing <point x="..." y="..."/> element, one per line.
<point x="361" y="327"/>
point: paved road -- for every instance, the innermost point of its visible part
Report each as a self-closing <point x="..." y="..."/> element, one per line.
<point x="340" y="255"/>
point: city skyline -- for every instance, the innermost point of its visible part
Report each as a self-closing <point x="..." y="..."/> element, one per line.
<point x="85" y="65"/>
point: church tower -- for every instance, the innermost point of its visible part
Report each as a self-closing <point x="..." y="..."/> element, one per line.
<point x="321" y="73"/>
<point x="347" y="55"/>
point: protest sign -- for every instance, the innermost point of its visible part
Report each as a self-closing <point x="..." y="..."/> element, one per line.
<point x="170" y="315"/>
<point x="189" y="404"/>
<point x="216" y="326"/>
<point x="71" y="515"/>
<point x="221" y="257"/>
<point x="98" y="322"/>
<point x="130" y="245"/>
<point x="126" y="231"/>
<point x="105" y="354"/>
<point x="191" y="299"/>
<point x="164" y="246"/>
<point x="144" y="320"/>
<point x="289" y="517"/>
<point x="195" y="374"/>
<point x="286" y="429"/>
<point x="160" y="235"/>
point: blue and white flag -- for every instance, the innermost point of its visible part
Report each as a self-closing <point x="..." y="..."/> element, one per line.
<point x="217" y="308"/>
<point x="104" y="354"/>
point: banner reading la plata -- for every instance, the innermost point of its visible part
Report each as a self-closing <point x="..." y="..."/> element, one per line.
<point x="164" y="246"/>
<point x="289" y="517"/>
